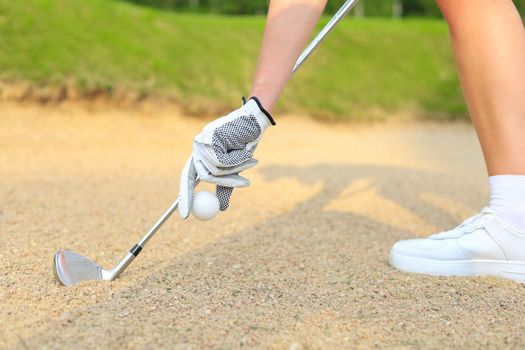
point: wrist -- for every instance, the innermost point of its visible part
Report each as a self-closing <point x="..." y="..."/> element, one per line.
<point x="261" y="108"/>
<point x="266" y="94"/>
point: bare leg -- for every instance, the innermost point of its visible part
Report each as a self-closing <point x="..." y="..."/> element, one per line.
<point x="288" y="27"/>
<point x="488" y="39"/>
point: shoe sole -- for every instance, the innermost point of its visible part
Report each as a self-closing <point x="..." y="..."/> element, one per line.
<point x="514" y="270"/>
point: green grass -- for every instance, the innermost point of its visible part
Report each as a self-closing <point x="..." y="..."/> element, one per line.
<point x="205" y="62"/>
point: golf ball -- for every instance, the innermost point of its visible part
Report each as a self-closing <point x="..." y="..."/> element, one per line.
<point x="205" y="205"/>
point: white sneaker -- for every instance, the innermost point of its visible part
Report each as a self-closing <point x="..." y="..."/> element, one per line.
<point x="482" y="245"/>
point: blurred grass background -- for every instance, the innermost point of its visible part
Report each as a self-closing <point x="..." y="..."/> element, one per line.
<point x="205" y="61"/>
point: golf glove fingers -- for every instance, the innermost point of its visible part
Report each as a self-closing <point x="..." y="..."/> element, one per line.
<point x="206" y="168"/>
<point x="223" y="194"/>
<point x="228" y="180"/>
<point x="188" y="180"/>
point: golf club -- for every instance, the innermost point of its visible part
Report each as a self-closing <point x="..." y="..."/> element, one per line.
<point x="71" y="268"/>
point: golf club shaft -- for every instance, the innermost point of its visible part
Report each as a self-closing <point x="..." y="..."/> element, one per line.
<point x="347" y="6"/>
<point x="135" y="250"/>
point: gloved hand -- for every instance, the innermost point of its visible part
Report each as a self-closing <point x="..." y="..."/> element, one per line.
<point x="223" y="149"/>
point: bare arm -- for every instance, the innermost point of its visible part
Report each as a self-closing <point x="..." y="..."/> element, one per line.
<point x="288" y="28"/>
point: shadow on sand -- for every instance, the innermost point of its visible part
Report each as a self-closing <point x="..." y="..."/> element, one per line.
<point x="307" y="276"/>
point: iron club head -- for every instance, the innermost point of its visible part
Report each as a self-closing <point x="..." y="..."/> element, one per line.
<point x="71" y="268"/>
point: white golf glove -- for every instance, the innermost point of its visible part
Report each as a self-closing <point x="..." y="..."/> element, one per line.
<point x="223" y="149"/>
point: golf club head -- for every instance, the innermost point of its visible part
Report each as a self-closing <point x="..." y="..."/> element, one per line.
<point x="71" y="268"/>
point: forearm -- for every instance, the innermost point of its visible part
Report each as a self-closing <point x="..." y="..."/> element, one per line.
<point x="288" y="27"/>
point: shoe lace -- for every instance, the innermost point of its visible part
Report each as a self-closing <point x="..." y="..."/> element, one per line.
<point x="470" y="225"/>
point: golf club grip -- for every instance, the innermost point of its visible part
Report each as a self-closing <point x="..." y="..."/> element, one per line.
<point x="347" y="6"/>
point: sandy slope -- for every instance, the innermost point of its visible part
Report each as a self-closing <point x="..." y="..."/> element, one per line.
<point x="299" y="261"/>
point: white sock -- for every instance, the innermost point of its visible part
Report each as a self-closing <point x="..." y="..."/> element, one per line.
<point x="507" y="199"/>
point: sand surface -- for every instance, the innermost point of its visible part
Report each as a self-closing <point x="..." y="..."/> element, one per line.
<point x="298" y="262"/>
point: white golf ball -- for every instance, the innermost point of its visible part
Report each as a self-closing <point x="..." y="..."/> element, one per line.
<point x="205" y="205"/>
